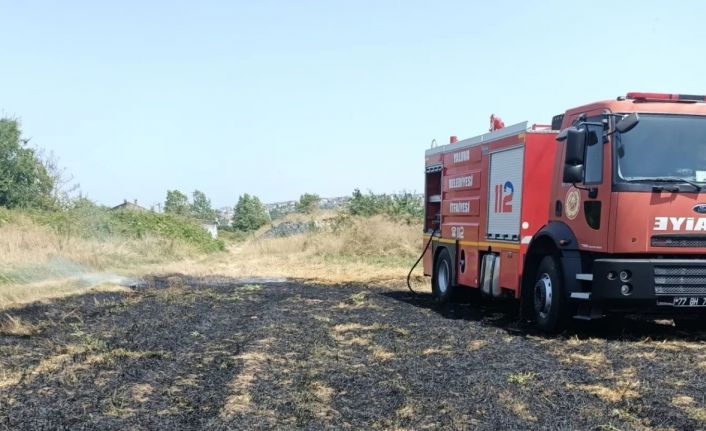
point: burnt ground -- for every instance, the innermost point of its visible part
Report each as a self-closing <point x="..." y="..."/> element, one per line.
<point x="218" y="354"/>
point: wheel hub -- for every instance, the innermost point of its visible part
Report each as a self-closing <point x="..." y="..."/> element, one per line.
<point x="443" y="277"/>
<point x="543" y="295"/>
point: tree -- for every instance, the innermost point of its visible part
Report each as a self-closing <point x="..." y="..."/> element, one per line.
<point x="64" y="189"/>
<point x="249" y="214"/>
<point x="177" y="203"/>
<point x="24" y="181"/>
<point x="308" y="203"/>
<point x="201" y="206"/>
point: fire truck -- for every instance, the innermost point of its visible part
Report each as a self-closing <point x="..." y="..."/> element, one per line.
<point x="601" y="213"/>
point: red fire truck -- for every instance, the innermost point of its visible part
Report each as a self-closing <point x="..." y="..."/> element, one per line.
<point x="602" y="212"/>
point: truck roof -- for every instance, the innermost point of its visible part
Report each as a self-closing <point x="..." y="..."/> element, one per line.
<point x="658" y="103"/>
<point x="621" y="104"/>
<point x="489" y="137"/>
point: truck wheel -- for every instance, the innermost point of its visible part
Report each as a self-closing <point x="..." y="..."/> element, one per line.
<point x="548" y="297"/>
<point x="441" y="284"/>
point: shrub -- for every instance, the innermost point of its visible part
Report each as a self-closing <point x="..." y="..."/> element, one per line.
<point x="402" y="206"/>
<point x="96" y="222"/>
<point x="142" y="223"/>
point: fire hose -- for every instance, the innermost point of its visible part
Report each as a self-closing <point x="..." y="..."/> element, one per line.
<point x="409" y="276"/>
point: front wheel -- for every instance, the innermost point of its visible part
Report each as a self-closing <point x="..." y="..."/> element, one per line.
<point x="441" y="282"/>
<point x="550" y="308"/>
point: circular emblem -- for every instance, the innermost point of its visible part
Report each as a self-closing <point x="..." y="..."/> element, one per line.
<point x="700" y="208"/>
<point x="573" y="198"/>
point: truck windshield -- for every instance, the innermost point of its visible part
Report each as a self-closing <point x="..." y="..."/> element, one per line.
<point x="662" y="147"/>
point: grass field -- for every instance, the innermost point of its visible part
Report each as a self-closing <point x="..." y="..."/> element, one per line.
<point x="364" y="250"/>
<point x="312" y="331"/>
<point x="218" y="353"/>
<point x="48" y="255"/>
<point x="41" y="261"/>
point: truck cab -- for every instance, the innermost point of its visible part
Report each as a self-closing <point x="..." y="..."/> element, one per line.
<point x="627" y="221"/>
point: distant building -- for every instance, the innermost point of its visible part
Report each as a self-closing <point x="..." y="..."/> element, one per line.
<point x="287" y="207"/>
<point x="211" y="227"/>
<point x="225" y="216"/>
<point x="129" y="206"/>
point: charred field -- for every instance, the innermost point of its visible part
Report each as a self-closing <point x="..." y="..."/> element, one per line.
<point x="215" y="353"/>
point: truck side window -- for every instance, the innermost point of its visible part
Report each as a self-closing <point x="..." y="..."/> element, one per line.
<point x="594" y="155"/>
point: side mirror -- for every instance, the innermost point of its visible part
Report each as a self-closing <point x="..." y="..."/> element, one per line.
<point x="575" y="146"/>
<point x="573" y="173"/>
<point x="627" y="123"/>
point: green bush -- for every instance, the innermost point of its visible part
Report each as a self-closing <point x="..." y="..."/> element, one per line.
<point x="140" y="223"/>
<point x="401" y="206"/>
<point x="6" y="216"/>
<point x="92" y="221"/>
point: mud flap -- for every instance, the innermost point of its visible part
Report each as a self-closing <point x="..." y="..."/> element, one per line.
<point x="490" y="275"/>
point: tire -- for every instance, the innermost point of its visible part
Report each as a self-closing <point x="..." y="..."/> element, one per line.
<point x="441" y="283"/>
<point x="548" y="301"/>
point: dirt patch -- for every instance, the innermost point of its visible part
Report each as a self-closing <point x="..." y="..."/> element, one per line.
<point x="195" y="353"/>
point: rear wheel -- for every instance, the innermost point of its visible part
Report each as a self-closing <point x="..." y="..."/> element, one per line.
<point x="550" y="309"/>
<point x="441" y="283"/>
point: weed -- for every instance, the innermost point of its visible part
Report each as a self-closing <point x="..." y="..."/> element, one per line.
<point x="358" y="298"/>
<point x="521" y="378"/>
<point x="251" y="288"/>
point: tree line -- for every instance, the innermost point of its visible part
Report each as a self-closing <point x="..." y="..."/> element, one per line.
<point x="32" y="179"/>
<point x="249" y="213"/>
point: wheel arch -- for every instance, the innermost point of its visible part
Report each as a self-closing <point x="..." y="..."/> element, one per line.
<point x="553" y="239"/>
<point x="438" y="247"/>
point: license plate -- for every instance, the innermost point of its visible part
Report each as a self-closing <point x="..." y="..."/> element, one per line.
<point x="685" y="301"/>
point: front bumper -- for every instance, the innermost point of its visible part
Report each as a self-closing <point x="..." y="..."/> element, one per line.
<point x="652" y="282"/>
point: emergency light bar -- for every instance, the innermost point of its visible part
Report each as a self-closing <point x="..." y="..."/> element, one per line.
<point x="633" y="95"/>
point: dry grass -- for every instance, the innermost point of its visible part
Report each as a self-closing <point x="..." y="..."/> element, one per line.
<point x="28" y="245"/>
<point x="14" y="295"/>
<point x="375" y="250"/>
<point x="15" y="326"/>
<point x="38" y="263"/>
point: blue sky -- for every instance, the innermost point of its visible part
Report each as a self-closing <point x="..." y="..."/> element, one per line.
<point x="279" y="98"/>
